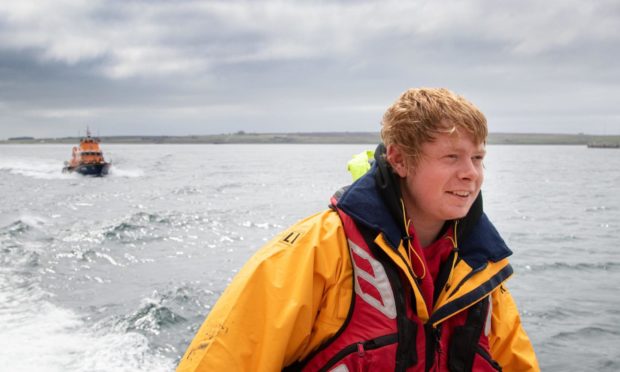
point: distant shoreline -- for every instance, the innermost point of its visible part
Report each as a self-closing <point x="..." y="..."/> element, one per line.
<point x="320" y="138"/>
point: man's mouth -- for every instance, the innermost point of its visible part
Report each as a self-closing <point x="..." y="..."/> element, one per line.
<point x="462" y="194"/>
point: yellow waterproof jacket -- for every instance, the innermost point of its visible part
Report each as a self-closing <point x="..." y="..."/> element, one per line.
<point x="294" y="294"/>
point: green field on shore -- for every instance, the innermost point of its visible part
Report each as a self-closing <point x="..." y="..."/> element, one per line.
<point x="326" y="138"/>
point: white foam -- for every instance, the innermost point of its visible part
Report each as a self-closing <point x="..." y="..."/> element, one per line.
<point x="34" y="167"/>
<point x="41" y="168"/>
<point x="36" y="335"/>
<point x="125" y="172"/>
<point x="33" y="220"/>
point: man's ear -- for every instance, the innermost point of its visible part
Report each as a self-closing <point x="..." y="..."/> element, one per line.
<point x="396" y="158"/>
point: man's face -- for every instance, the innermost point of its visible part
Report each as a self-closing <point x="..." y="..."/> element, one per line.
<point x="445" y="182"/>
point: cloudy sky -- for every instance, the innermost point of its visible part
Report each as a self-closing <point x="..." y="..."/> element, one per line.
<point x="128" y="67"/>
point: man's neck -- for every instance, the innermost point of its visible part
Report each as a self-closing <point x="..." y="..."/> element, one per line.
<point x="427" y="233"/>
<point x="426" y="227"/>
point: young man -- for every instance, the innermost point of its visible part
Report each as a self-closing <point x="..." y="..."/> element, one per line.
<point x="404" y="273"/>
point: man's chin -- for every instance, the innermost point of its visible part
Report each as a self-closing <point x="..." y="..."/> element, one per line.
<point x="460" y="213"/>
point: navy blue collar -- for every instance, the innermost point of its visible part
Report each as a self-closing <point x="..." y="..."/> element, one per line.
<point x="365" y="204"/>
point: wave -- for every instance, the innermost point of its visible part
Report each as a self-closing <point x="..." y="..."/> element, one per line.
<point x="24" y="224"/>
<point x="120" y="228"/>
<point x="50" y="169"/>
<point x="139" y="226"/>
<point x="16" y="256"/>
<point x="600" y="208"/>
<point x="161" y="311"/>
<point x="555" y="313"/>
<point x="159" y="316"/>
<point x="16" y="228"/>
<point x="150" y="218"/>
<point x="60" y="339"/>
<point x="35" y="168"/>
<point x="151" y="317"/>
<point x="263" y="226"/>
<point x="21" y="240"/>
<point x="228" y="186"/>
<point x="115" y="171"/>
<point x="187" y="190"/>
<point x="581" y="266"/>
<point x="590" y="332"/>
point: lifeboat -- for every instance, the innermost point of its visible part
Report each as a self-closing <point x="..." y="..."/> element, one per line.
<point x="87" y="158"/>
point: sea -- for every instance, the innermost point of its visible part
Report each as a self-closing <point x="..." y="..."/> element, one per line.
<point x="117" y="273"/>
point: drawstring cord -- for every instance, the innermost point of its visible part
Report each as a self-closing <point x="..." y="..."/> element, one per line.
<point x="455" y="249"/>
<point x="410" y="249"/>
<point x="454" y="240"/>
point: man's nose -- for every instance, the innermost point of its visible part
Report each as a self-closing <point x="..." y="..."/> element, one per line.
<point x="469" y="170"/>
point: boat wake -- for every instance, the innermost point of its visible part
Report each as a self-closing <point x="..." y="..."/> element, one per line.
<point x="115" y="171"/>
<point x="35" y="168"/>
<point x="59" y="339"/>
<point x="51" y="169"/>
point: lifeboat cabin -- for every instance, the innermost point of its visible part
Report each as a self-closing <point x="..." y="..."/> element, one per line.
<point x="87" y="158"/>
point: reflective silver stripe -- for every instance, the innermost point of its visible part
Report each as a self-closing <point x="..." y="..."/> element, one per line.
<point x="340" y="368"/>
<point x="487" y="324"/>
<point x="379" y="281"/>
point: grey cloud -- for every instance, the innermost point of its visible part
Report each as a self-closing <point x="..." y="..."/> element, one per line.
<point x="212" y="65"/>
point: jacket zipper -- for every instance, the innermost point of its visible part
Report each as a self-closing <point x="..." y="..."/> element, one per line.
<point x="438" y="351"/>
<point x="433" y="347"/>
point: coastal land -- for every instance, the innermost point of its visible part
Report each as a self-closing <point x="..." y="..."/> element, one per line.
<point x="242" y="137"/>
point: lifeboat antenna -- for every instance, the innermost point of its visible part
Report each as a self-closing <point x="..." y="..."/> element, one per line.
<point x="87" y="131"/>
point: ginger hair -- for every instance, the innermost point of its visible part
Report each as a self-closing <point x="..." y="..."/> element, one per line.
<point x="419" y="115"/>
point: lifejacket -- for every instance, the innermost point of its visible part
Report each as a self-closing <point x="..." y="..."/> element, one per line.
<point x="381" y="332"/>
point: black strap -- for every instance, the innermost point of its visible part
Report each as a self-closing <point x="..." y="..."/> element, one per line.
<point x="465" y="338"/>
